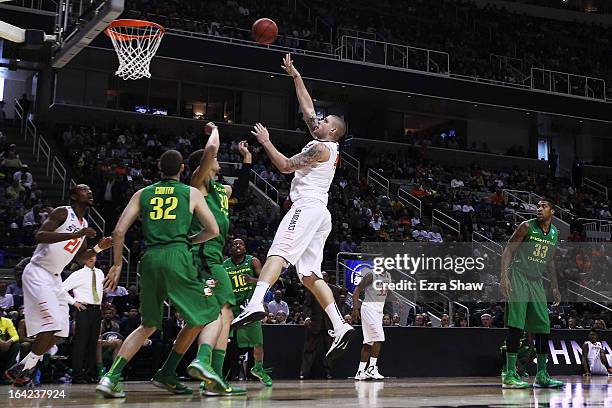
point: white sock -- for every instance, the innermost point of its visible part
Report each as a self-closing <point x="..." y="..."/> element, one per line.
<point x="373" y="361"/>
<point x="334" y="315"/>
<point x="30" y="360"/>
<point x="260" y="292"/>
<point x="362" y="365"/>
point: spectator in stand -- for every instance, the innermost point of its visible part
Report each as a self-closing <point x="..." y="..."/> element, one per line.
<point x="15" y="191"/>
<point x="24" y="177"/>
<point x="9" y="343"/>
<point x="376" y="223"/>
<point x="130" y="322"/>
<point x="35" y="217"/>
<point x="395" y="320"/>
<point x="280" y="317"/>
<point x="348" y="245"/>
<point x="486" y="320"/>
<point x="278" y="304"/>
<point x="126" y="302"/>
<point x="386" y="320"/>
<point x="6" y="300"/>
<point x="445" y="321"/>
<point x="419" y="321"/>
<point x="572" y="324"/>
<point x="110" y="339"/>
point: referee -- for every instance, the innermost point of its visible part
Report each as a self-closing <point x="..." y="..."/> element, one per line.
<point x="86" y="285"/>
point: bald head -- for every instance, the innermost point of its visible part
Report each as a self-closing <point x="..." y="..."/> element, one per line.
<point x="338" y="128"/>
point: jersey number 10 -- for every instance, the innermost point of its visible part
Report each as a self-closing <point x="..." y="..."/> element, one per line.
<point x="239" y="281"/>
<point x="162" y="209"/>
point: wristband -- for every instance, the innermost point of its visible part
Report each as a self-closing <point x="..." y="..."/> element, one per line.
<point x="97" y="249"/>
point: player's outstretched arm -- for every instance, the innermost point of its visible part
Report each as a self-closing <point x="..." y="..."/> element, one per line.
<point x="205" y="216"/>
<point x="128" y="216"/>
<point x="242" y="183"/>
<point x="318" y="152"/>
<point x="200" y="176"/>
<point x="513" y="244"/>
<point x="304" y="99"/>
<point x="47" y="235"/>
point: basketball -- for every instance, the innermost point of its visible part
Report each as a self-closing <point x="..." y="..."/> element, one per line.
<point x="264" y="31"/>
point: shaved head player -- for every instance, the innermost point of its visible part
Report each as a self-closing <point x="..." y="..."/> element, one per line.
<point x="301" y="235"/>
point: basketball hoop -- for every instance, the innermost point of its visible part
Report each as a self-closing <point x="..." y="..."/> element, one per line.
<point x="136" y="42"/>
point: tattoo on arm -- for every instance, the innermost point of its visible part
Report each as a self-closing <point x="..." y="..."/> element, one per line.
<point x="305" y="159"/>
<point x="311" y="121"/>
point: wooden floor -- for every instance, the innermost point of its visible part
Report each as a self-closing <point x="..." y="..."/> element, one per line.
<point x="414" y="392"/>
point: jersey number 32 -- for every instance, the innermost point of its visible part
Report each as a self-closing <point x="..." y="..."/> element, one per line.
<point x="162" y="209"/>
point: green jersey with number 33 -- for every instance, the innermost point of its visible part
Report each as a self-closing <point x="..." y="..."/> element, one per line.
<point x="218" y="202"/>
<point x="164" y="209"/>
<point x="536" y="250"/>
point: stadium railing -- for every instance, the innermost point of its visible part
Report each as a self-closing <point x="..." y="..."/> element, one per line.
<point x="378" y="181"/>
<point x="446" y="220"/>
<point x="269" y="190"/>
<point x="391" y="55"/>
<point x="410" y="200"/>
<point x="595" y="186"/>
<point x="351" y="162"/>
<point x="564" y="83"/>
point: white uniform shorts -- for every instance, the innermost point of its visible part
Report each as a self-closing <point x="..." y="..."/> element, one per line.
<point x="597" y="367"/>
<point x="45" y="302"/>
<point x="371" y="324"/>
<point x="301" y="236"/>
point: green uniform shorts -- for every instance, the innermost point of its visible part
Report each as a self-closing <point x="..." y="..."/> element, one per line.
<point x="527" y="306"/>
<point x="169" y="272"/>
<point x="222" y="291"/>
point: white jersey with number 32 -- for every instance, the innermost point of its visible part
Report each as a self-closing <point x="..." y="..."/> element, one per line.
<point x="314" y="181"/>
<point x="55" y="257"/>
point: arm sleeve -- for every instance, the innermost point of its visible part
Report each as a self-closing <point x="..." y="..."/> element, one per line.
<point x="241" y="186"/>
<point x="12" y="332"/>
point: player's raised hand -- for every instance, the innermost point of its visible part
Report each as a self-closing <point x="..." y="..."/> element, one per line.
<point x="105" y="243"/>
<point x="208" y="128"/>
<point x="243" y="148"/>
<point x="87" y="232"/>
<point x="288" y="66"/>
<point x="112" y="278"/>
<point x="261" y="133"/>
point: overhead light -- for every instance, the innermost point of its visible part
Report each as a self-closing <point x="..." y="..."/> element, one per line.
<point x="475" y="105"/>
<point x="343" y="86"/>
<point x="314" y="100"/>
<point x="271" y="76"/>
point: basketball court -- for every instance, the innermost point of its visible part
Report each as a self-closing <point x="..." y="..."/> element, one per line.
<point x="416" y="392"/>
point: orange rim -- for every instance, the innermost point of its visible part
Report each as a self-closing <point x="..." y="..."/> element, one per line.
<point x="111" y="32"/>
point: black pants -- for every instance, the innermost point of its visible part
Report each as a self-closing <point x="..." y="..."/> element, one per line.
<point x="85" y="341"/>
<point x="315" y="347"/>
<point x="7" y="358"/>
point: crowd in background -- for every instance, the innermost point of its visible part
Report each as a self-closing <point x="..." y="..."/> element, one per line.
<point x="471" y="35"/>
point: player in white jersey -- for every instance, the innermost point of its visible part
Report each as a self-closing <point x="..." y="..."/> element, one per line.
<point x="301" y="234"/>
<point x="595" y="359"/>
<point x="375" y="289"/>
<point x="61" y="238"/>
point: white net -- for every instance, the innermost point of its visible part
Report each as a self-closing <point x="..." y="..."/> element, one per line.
<point x="135" y="48"/>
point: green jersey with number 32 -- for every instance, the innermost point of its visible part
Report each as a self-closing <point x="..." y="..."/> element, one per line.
<point x="164" y="209"/>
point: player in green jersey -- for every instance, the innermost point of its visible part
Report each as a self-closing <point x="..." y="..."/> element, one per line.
<point x="167" y="270"/>
<point x="209" y="257"/>
<point x="243" y="271"/>
<point x="528" y="255"/>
